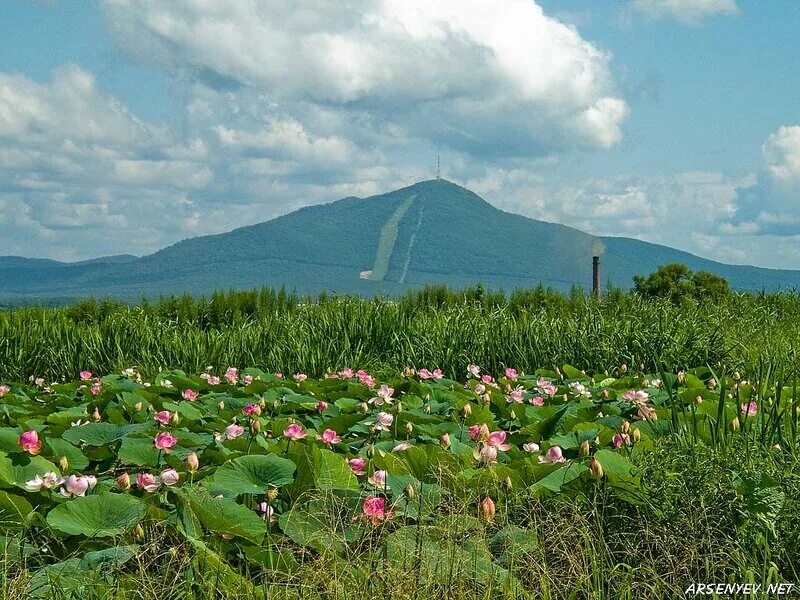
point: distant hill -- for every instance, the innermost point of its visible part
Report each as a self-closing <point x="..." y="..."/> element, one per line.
<point x="431" y="232"/>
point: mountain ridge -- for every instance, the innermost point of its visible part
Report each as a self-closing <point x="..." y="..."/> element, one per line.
<point x="433" y="231"/>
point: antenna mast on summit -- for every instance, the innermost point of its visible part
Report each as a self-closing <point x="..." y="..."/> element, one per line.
<point x="438" y="168"/>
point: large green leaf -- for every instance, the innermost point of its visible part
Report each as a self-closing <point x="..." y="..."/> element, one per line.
<point x="77" y="459"/>
<point x="331" y="471"/>
<point x="138" y="451"/>
<point x="100" y="515"/>
<point x="16" y="470"/>
<point x="253" y="474"/>
<point x="554" y="481"/>
<point x="14" y="511"/>
<point x="622" y="474"/>
<point x="99" y="434"/>
<point x="223" y="515"/>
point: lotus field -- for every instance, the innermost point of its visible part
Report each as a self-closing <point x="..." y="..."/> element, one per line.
<point x="258" y="473"/>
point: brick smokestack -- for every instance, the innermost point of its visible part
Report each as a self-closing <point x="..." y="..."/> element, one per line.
<point x="596" y="277"/>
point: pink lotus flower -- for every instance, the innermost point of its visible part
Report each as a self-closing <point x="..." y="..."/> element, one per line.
<point x="378" y="479"/>
<point x="424" y="374"/>
<point x="322" y="406"/>
<point x="375" y="509"/>
<point x="750" y="409"/>
<point x="517" y="395"/>
<point x="189" y="395"/>
<point x="346" y="373"/>
<point x="252" y="410"/>
<point x="486" y="510"/>
<point x="163" y="417"/>
<point x="497" y="439"/>
<point x="636" y="396"/>
<point x="329" y="437"/>
<point x="148" y="482"/>
<point x="546" y="386"/>
<point x="511" y="374"/>
<point x="358" y="465"/>
<point x="85" y="375"/>
<point x="232" y="375"/>
<point x="384" y="395"/>
<point x="300" y="377"/>
<point x="164" y="441"/>
<point x="213" y="380"/>
<point x="267" y="512"/>
<point x="96" y="388"/>
<point x="295" y="432"/>
<point x="480" y="389"/>
<point x="169" y="477"/>
<point x="124" y="481"/>
<point x="4" y="389"/>
<point x="402" y="447"/>
<point x="530" y="447"/>
<point x="233" y="431"/>
<point x="620" y="439"/>
<point x="647" y="413"/>
<point x="29" y="442"/>
<point x="75" y="485"/>
<point x="486" y="455"/>
<point x="279" y="375"/>
<point x="474" y="432"/>
<point x="248" y="379"/>
<point x="554" y="455"/>
<point x="47" y="481"/>
<point x="474" y="370"/>
<point x="487" y="378"/>
<point x="537" y="401"/>
<point x="385" y="421"/>
<point x="437" y="374"/>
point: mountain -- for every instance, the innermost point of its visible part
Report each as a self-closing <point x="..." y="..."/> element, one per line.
<point x="431" y="232"/>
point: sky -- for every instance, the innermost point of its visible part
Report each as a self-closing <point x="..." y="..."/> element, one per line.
<point x="128" y="125"/>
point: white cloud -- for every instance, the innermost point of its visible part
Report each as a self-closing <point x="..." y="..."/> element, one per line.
<point x="781" y="155"/>
<point x="481" y="76"/>
<point x="686" y="11"/>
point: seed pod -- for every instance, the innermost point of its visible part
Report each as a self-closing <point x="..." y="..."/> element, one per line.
<point x="63" y="463"/>
<point x="272" y="493"/>
<point x="584" y="448"/>
<point x="596" y="469"/>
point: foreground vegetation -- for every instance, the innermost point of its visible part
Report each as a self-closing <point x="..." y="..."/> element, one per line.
<point x="274" y="331"/>
<point x="249" y="484"/>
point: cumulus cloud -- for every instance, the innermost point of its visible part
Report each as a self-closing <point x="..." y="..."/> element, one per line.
<point x="686" y="11"/>
<point x="470" y="75"/>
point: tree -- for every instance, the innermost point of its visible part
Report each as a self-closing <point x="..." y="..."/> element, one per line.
<point x="677" y="282"/>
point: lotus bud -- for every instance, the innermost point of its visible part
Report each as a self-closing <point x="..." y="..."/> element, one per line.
<point x="637" y="436"/>
<point x="137" y="407"/>
<point x="409" y="492"/>
<point x="138" y="532"/>
<point x="604" y="394"/>
<point x="487" y="398"/>
<point x="221" y="405"/>
<point x="600" y="415"/>
<point x="486" y="510"/>
<point x="192" y="462"/>
<point x="399" y="407"/>
<point x="681" y="376"/>
<point x="737" y="376"/>
<point x="735" y="424"/>
<point x="426" y="409"/>
<point x="626" y="427"/>
<point x="272" y="493"/>
<point x="698" y="400"/>
<point x="63" y="463"/>
<point x="124" y="481"/>
<point x="623" y="368"/>
<point x="262" y="403"/>
<point x="96" y="414"/>
<point x="584" y="448"/>
<point x="596" y="469"/>
<point x="467" y="410"/>
<point x="507" y="484"/>
<point x="712" y="383"/>
<point x="513" y="414"/>
<point x="255" y="426"/>
<point x="776" y="447"/>
<point x="409" y="427"/>
<point x="176" y="418"/>
<point x="370" y="451"/>
<point x="364" y="408"/>
<point x="444" y="440"/>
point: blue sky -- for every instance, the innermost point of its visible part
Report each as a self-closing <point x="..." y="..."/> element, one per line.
<point x="126" y="126"/>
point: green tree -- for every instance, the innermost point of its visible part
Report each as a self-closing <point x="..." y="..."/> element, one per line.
<point x="677" y="282"/>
